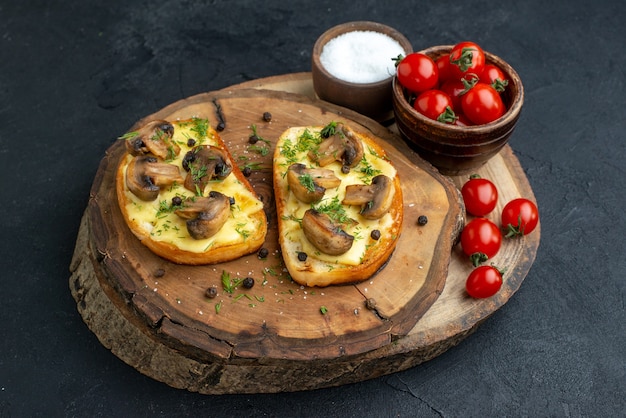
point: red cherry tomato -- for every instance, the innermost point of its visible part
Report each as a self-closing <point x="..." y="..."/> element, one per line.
<point x="481" y="240"/>
<point x="455" y="89"/>
<point x="483" y="282"/>
<point x="495" y="77"/>
<point x="482" y="104"/>
<point x="466" y="58"/>
<point x="519" y="217"/>
<point x="434" y="104"/>
<point x="480" y="195"/>
<point x="443" y="65"/>
<point x="417" y="72"/>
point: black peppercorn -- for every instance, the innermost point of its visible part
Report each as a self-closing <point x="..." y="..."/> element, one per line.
<point x="422" y="220"/>
<point x="211" y="292"/>
<point x="191" y="142"/>
<point x="159" y="273"/>
<point x="177" y="201"/>
<point x="263" y="253"/>
<point x="246" y="171"/>
<point x="248" y="282"/>
<point x="253" y="139"/>
<point x="267" y="116"/>
<point x="375" y="234"/>
<point x="302" y="256"/>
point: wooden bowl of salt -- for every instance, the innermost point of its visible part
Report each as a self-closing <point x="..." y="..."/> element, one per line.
<point x="353" y="66"/>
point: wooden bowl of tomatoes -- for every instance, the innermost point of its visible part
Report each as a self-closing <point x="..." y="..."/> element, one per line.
<point x="447" y="110"/>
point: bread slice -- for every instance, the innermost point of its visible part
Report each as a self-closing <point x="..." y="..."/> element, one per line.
<point x="360" y="241"/>
<point x="183" y="196"/>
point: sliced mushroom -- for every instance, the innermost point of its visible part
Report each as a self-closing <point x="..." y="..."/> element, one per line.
<point x="145" y="176"/>
<point x="204" y="163"/>
<point x="324" y="234"/>
<point x="205" y="216"/>
<point x="310" y="184"/>
<point x="155" y="137"/>
<point x="375" y="199"/>
<point x="343" y="146"/>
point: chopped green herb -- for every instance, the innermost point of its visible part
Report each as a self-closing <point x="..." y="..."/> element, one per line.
<point x="307" y="140"/>
<point x="200" y="127"/>
<point x="291" y="217"/>
<point x="263" y="150"/>
<point x="323" y="310"/>
<point x="243" y="232"/>
<point x="197" y="173"/>
<point x="288" y="151"/>
<point x="256" y="136"/>
<point x="228" y="284"/>
<point x="367" y="170"/>
<point x="166" y="207"/>
<point x="129" y="135"/>
<point x="334" y="209"/>
<point x="307" y="181"/>
<point x="329" y="130"/>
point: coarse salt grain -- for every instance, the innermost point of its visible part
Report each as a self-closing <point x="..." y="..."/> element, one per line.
<point x="361" y="56"/>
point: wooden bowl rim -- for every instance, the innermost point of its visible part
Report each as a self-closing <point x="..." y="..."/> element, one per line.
<point x="359" y="25"/>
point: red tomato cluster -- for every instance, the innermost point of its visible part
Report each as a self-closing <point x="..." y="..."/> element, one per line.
<point x="481" y="238"/>
<point x="458" y="88"/>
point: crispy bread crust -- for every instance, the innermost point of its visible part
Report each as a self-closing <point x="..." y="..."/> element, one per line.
<point x="217" y="253"/>
<point x="315" y="272"/>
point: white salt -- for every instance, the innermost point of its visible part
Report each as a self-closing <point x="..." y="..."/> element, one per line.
<point x="361" y="56"/>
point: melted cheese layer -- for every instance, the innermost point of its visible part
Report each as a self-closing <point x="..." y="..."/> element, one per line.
<point x="294" y="208"/>
<point x="165" y="226"/>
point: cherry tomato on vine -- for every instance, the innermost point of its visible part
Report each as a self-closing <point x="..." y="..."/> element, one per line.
<point x="483" y="282"/>
<point x="466" y="58"/>
<point x="480" y="195"/>
<point x="495" y="77"/>
<point x="519" y="217"/>
<point x="417" y="72"/>
<point x="481" y="240"/>
<point x="434" y="104"/>
<point x="482" y="104"/>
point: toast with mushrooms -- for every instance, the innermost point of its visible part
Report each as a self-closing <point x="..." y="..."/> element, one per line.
<point x="183" y="196"/>
<point x="339" y="204"/>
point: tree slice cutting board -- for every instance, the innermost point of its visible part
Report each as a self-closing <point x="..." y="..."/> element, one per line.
<point x="154" y="315"/>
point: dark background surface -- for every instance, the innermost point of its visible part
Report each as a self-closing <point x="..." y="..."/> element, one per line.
<point x="74" y="76"/>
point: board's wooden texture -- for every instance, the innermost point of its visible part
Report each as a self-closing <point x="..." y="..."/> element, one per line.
<point x="154" y="316"/>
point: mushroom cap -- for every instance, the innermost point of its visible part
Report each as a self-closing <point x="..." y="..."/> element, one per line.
<point x="343" y="146"/>
<point x="204" y="163"/>
<point x="145" y="176"/>
<point x="353" y="148"/>
<point x="326" y="236"/>
<point x="205" y="216"/>
<point x="375" y="199"/>
<point x="155" y="137"/>
<point x="309" y="184"/>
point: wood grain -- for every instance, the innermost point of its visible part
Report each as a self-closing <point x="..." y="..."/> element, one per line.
<point x="133" y="301"/>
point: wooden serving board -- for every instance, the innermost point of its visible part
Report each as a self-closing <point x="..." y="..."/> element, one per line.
<point x="154" y="315"/>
